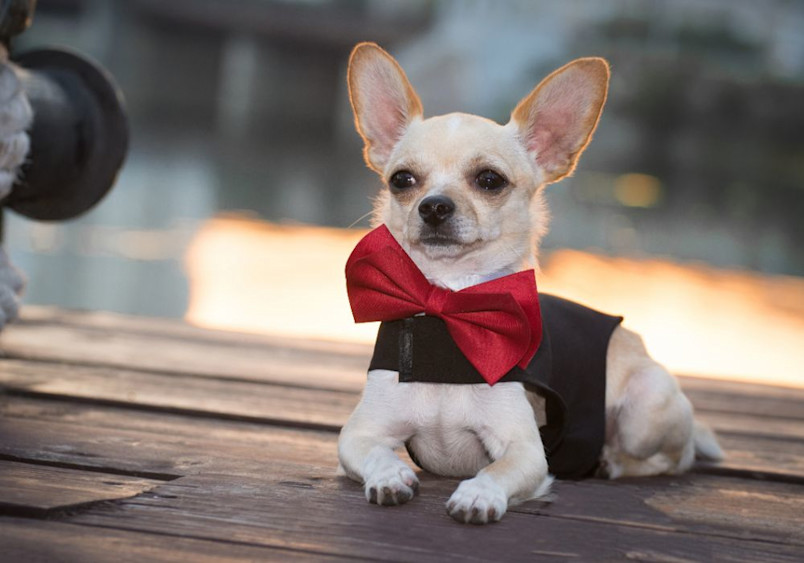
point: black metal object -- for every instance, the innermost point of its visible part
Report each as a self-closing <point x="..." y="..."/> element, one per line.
<point x="79" y="136"/>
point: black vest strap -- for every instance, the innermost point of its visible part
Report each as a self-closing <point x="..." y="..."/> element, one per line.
<point x="568" y="370"/>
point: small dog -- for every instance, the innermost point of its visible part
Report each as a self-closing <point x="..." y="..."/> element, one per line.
<point x="464" y="200"/>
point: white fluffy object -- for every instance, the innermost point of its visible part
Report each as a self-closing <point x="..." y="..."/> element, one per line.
<point x="16" y="116"/>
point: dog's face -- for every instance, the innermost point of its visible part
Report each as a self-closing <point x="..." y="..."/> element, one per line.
<point x="463" y="193"/>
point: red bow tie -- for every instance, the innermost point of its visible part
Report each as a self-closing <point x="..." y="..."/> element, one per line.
<point x="496" y="324"/>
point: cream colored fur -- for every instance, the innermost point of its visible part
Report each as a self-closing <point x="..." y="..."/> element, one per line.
<point x="489" y="434"/>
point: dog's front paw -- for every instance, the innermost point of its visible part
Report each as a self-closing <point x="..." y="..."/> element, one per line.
<point x="390" y="483"/>
<point x="478" y="501"/>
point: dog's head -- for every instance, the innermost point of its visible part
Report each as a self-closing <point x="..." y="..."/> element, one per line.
<point x="463" y="193"/>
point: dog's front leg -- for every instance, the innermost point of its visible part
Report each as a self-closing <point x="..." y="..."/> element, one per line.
<point x="367" y="442"/>
<point x="518" y="472"/>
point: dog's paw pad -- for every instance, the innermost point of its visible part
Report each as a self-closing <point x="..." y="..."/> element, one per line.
<point x="391" y="484"/>
<point x="478" y="501"/>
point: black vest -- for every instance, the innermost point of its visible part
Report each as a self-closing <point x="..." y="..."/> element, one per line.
<point x="568" y="370"/>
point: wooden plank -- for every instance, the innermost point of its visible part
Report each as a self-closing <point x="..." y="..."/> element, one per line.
<point x="246" y="400"/>
<point x="762" y="508"/>
<point x="36" y="490"/>
<point x="203" y="353"/>
<point x="332" y="514"/>
<point x="250" y="459"/>
<point x="249" y="450"/>
<point x="710" y="395"/>
<point x="176" y="330"/>
<point x="170" y="329"/>
<point x="758" y="457"/>
<point x="174" y="347"/>
<point x="250" y="483"/>
<point x="753" y="425"/>
<point x="753" y="444"/>
<point x="33" y="541"/>
<point x="150" y="444"/>
<point x="690" y="503"/>
<point x="695" y="504"/>
<point x="234" y="399"/>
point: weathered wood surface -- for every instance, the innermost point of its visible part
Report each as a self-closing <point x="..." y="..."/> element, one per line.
<point x="37" y="541"/>
<point x="136" y="439"/>
<point x="42" y="490"/>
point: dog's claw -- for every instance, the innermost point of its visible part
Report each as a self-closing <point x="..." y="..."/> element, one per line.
<point x="476" y="516"/>
<point x="395" y="484"/>
<point x="391" y="497"/>
<point x="477" y="501"/>
<point x="388" y="496"/>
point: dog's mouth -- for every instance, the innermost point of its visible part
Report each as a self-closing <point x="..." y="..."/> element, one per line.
<point x="439" y="236"/>
<point x="439" y="239"/>
<point x="444" y="243"/>
<point x="448" y="240"/>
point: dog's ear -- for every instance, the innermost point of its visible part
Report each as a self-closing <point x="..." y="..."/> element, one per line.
<point x="557" y="119"/>
<point x="383" y="101"/>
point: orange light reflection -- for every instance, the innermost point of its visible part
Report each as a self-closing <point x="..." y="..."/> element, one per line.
<point x="253" y="276"/>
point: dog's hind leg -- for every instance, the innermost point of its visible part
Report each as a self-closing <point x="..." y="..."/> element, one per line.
<point x="649" y="420"/>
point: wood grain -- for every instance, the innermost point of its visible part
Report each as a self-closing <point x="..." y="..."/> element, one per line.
<point x="191" y="351"/>
<point x="332" y="515"/>
<point x="202" y="396"/>
<point x="104" y="436"/>
<point x="155" y="444"/>
<point x="141" y="439"/>
<point x="37" y="490"/>
<point x="757" y="445"/>
<point x="32" y="541"/>
<point x="171" y="347"/>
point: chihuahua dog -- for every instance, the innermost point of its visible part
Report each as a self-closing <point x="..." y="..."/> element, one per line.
<point x="464" y="200"/>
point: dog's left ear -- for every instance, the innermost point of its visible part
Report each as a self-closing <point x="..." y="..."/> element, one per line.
<point x="557" y="119"/>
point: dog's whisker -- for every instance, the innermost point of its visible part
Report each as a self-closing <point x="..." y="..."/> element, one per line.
<point x="356" y="221"/>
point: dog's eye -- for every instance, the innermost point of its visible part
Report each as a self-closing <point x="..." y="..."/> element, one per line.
<point x="490" y="180"/>
<point x="402" y="180"/>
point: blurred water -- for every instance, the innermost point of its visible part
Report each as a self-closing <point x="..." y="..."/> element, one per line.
<point x="241" y="106"/>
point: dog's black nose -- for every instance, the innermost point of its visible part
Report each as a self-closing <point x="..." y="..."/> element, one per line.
<point x="436" y="209"/>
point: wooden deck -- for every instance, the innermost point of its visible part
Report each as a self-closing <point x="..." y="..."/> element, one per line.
<point x="126" y="439"/>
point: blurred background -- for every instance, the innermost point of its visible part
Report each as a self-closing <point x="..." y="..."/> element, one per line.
<point x="686" y="213"/>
